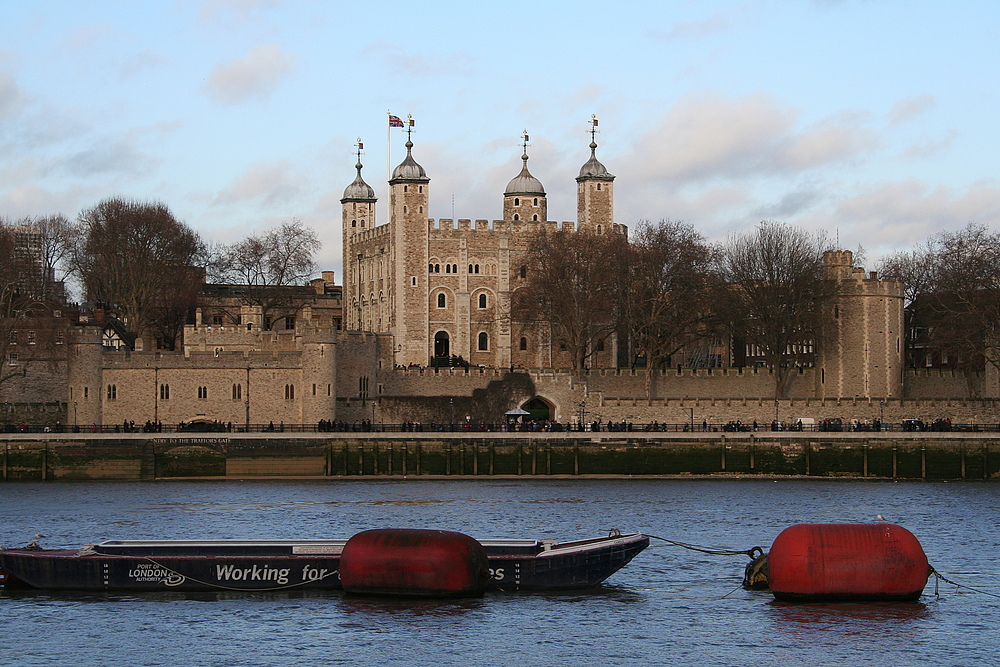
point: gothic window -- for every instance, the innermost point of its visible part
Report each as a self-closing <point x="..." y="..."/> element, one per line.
<point x="484" y="341"/>
<point x="437" y="268"/>
<point x="524" y="343"/>
<point x="289" y="392"/>
<point x="441" y="301"/>
<point x="164" y="392"/>
<point x="362" y="223"/>
<point x="482" y="300"/>
<point x="470" y="268"/>
<point x="454" y="268"/>
<point x="354" y="223"/>
<point x="237" y="392"/>
<point x="517" y="202"/>
<point x="477" y="268"/>
<point x="202" y="393"/>
<point x="535" y="217"/>
<point x="535" y="202"/>
<point x="447" y="268"/>
<point x="430" y="268"/>
<point x="112" y="392"/>
<point x="517" y="217"/>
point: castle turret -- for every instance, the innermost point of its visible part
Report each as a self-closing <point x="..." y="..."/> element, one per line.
<point x="358" y="207"/>
<point x="595" y="192"/>
<point x="524" y="198"/>
<point x="408" y="197"/>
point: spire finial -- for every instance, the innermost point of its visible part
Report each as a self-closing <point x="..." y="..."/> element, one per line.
<point x="409" y="130"/>
<point x="593" y="132"/>
<point x="361" y="147"/>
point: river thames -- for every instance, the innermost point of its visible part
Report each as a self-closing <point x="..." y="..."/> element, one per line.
<point x="669" y="606"/>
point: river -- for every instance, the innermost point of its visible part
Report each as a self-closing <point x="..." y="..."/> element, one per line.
<point x="669" y="606"/>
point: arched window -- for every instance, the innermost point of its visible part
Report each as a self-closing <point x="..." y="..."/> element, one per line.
<point x="482" y="300"/>
<point x="441" y="301"/>
<point x="289" y="392"/>
<point x="484" y="341"/>
<point x="535" y="217"/>
<point x="430" y="268"/>
<point x="404" y="207"/>
<point x="536" y="201"/>
<point x="437" y="268"/>
<point x="237" y="392"/>
<point x="354" y="223"/>
<point x="112" y="392"/>
<point x="477" y="268"/>
<point x="599" y="229"/>
<point x="598" y="186"/>
<point x="447" y="268"/>
<point x="524" y="343"/>
<point x="454" y="268"/>
<point x="202" y="393"/>
<point x="517" y="217"/>
<point x="517" y="202"/>
<point x="404" y="188"/>
<point x="164" y="392"/>
<point x="470" y="268"/>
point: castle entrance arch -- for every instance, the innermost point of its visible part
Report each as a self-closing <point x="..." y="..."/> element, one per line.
<point x="442" y="344"/>
<point x="538" y="409"/>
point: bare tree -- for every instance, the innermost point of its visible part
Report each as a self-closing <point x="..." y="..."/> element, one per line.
<point x="130" y="255"/>
<point x="13" y="306"/>
<point x="772" y="287"/>
<point x="666" y="290"/>
<point x="965" y="306"/>
<point x="917" y="271"/>
<point x="573" y="289"/>
<point x="269" y="263"/>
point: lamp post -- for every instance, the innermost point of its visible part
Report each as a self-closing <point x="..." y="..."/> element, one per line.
<point x="691" y="410"/>
<point x="451" y="414"/>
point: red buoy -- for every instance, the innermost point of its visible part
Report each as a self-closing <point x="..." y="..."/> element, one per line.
<point x="843" y="561"/>
<point x="414" y="562"/>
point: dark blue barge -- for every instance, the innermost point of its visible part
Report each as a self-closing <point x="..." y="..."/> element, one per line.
<point x="279" y="565"/>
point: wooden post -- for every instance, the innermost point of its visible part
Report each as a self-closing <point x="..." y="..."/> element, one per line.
<point x="475" y="458"/>
<point x="895" y="450"/>
<point x="723" y="456"/>
<point x="403" y="463"/>
<point x="361" y="460"/>
<point x="864" y="453"/>
<point x="447" y="461"/>
<point x="963" y="460"/>
<point x="923" y="462"/>
<point x="752" y="457"/>
<point x="548" y="458"/>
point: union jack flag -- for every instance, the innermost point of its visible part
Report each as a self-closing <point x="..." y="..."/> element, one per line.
<point x="395" y="121"/>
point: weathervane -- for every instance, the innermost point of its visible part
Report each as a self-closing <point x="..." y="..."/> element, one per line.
<point x="524" y="141"/>
<point x="593" y="128"/>
<point x="361" y="147"/>
<point x="409" y="125"/>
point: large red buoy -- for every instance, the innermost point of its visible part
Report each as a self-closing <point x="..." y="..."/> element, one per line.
<point x="844" y="561"/>
<point x="414" y="562"/>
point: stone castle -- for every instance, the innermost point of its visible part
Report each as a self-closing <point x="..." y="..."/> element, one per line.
<point x="417" y="292"/>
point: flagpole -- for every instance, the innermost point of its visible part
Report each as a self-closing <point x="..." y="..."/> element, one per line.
<point x="388" y="157"/>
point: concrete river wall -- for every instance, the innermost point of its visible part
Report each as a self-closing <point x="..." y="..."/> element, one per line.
<point x="930" y="456"/>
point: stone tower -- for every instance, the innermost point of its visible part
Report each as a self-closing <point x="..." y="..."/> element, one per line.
<point x="595" y="197"/>
<point x="358" y="216"/>
<point x="409" y="229"/>
<point x="861" y="337"/>
<point x="524" y="198"/>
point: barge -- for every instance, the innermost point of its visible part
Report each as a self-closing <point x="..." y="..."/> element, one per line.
<point x="515" y="565"/>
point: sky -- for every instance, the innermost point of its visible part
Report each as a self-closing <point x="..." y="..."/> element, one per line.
<point x="874" y="122"/>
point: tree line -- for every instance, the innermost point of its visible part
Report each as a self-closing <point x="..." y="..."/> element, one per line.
<point x="136" y="259"/>
<point x="667" y="290"/>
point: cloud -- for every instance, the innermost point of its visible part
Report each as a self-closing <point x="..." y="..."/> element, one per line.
<point x="711" y="137"/>
<point x="398" y="61"/>
<point x="269" y="183"/>
<point x="908" y="107"/>
<point x="114" y="156"/>
<point x="693" y="30"/>
<point x="904" y="213"/>
<point x="11" y="98"/>
<point x="255" y="76"/>
<point x="930" y="148"/>
<point x="240" y="10"/>
<point x="791" y="204"/>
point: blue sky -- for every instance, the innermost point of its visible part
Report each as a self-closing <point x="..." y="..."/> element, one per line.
<point x="873" y="121"/>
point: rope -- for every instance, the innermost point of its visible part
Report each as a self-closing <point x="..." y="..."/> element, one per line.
<point x="752" y="552"/>
<point x="234" y="588"/>
<point x="945" y="579"/>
